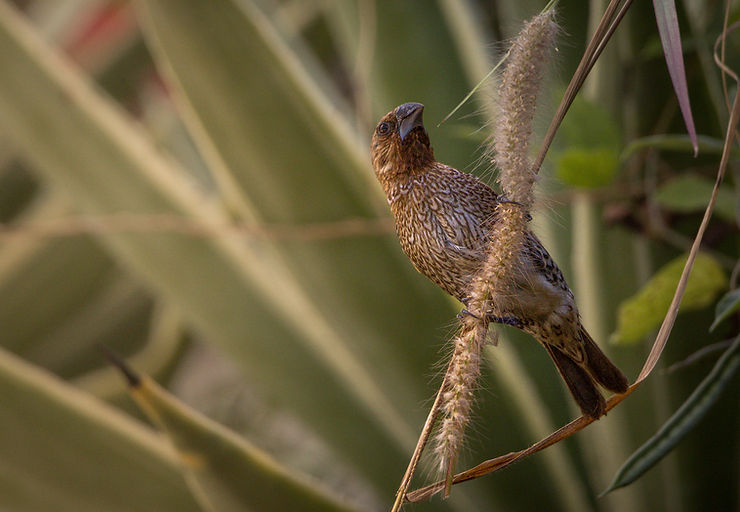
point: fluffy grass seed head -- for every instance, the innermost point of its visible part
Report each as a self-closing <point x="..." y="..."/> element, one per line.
<point x="520" y="83"/>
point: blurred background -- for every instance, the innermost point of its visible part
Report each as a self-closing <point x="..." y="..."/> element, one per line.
<point x="188" y="183"/>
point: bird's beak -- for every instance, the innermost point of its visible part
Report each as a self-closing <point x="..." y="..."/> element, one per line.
<point x="409" y="116"/>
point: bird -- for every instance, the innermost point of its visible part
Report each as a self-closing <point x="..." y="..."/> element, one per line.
<point x="444" y="219"/>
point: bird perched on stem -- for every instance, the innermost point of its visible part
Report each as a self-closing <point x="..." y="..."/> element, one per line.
<point x="443" y="220"/>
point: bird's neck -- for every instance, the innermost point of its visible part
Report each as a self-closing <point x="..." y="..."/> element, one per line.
<point x="398" y="188"/>
<point x="406" y="186"/>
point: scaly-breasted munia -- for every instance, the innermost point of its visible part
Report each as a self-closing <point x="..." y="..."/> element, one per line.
<point x="443" y="220"/>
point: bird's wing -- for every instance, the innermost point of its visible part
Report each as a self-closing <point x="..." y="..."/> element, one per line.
<point x="464" y="210"/>
<point x="463" y="246"/>
<point x="461" y="232"/>
<point x="543" y="262"/>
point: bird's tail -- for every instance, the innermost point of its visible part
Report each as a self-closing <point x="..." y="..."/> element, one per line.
<point x="600" y="367"/>
<point x="581" y="378"/>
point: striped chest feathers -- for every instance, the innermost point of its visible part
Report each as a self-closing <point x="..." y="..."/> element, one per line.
<point x="439" y="231"/>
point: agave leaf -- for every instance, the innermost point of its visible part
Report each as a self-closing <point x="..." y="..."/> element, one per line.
<point x="246" y="94"/>
<point x="69" y="282"/>
<point x="683" y="420"/>
<point x="62" y="450"/>
<point x="279" y="143"/>
<point x="28" y="296"/>
<point x="225" y="472"/>
<point x="165" y="338"/>
<point x="237" y="293"/>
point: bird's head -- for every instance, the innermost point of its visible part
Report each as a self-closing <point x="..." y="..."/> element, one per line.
<point x="400" y="144"/>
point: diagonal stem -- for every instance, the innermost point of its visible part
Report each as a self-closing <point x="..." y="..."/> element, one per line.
<point x="420" y="444"/>
<point x="652" y="359"/>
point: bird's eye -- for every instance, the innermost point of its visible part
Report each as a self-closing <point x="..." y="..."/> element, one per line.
<point x="383" y="128"/>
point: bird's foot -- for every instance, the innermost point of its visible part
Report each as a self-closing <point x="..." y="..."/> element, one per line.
<point x="507" y="320"/>
<point x="464" y="312"/>
<point x="503" y="200"/>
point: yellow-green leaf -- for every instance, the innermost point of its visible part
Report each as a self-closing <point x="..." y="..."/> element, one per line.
<point x="587" y="147"/>
<point x="643" y="312"/>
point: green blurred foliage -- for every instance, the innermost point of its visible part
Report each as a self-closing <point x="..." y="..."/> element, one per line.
<point x="587" y="146"/>
<point x="194" y="190"/>
<point x="690" y="194"/>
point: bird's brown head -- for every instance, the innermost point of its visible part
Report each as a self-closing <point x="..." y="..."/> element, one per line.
<point x="400" y="144"/>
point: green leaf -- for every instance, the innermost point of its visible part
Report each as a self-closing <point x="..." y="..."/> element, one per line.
<point x="726" y="306"/>
<point x="62" y="450"/>
<point x="226" y="473"/>
<point x="640" y="314"/>
<point x="682" y="421"/>
<point x="586" y="153"/>
<point x="691" y="193"/>
<point x="679" y="143"/>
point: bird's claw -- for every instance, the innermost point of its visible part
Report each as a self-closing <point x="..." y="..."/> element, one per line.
<point x="464" y="312"/>
<point x="507" y="320"/>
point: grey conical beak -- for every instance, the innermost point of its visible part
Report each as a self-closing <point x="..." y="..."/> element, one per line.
<point x="409" y="116"/>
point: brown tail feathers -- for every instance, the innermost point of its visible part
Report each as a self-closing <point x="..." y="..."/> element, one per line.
<point x="601" y="368"/>
<point x="581" y="379"/>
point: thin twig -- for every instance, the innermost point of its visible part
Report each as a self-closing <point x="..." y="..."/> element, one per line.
<point x="167" y="223"/>
<point x="421" y="443"/>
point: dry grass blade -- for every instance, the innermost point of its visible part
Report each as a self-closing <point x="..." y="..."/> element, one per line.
<point x="576" y="425"/>
<point x="475" y="89"/>
<point x="665" y="328"/>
